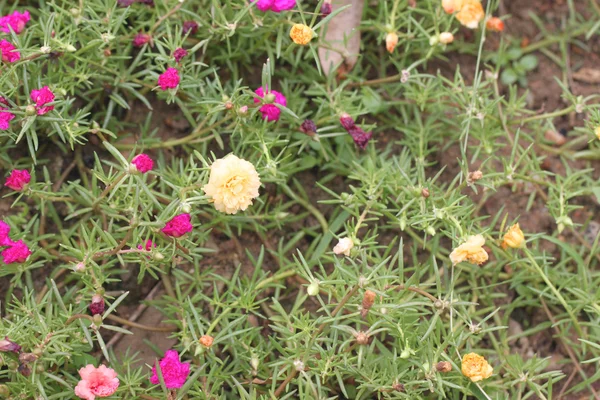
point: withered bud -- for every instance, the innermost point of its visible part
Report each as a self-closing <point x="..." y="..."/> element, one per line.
<point x="228" y="105"/>
<point x="398" y="387"/>
<point x="362" y="338"/>
<point x="425" y="193"/>
<point x="474" y="177"/>
<point x="308" y="127"/>
<point x="25" y="358"/>
<point x="7" y="345"/>
<point x="24" y="370"/>
<point x="347" y="121"/>
<point x="206" y="341"/>
<point x="97" y="304"/>
<point x="443" y="366"/>
<point x="326" y="8"/>
<point x="367" y="302"/>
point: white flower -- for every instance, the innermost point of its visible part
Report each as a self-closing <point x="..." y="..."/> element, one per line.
<point x="344" y="246"/>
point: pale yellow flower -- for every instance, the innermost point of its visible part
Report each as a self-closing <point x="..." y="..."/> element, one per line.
<point x="391" y="40"/>
<point x="452" y="6"/>
<point x="232" y="185"/>
<point x="472" y="251"/>
<point x="597" y="132"/>
<point x="514" y="238"/>
<point x="301" y="34"/>
<point x="470" y="14"/>
<point x="344" y="246"/>
<point x="475" y="367"/>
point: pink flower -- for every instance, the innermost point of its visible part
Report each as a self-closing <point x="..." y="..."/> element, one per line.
<point x="16" y="21"/>
<point x="275" y="5"/>
<point x="7" y="345"/>
<point x="17" y="179"/>
<point x="97" y="305"/>
<point x="360" y="137"/>
<point x="270" y="112"/>
<point x="179" y="53"/>
<point x="18" y="252"/>
<point x="190" y="27"/>
<point x="142" y="163"/>
<point x="4" y="232"/>
<point x="7" y="50"/>
<point x="169" y="79"/>
<point x="178" y="226"/>
<point x="5" y="116"/>
<point x="101" y="382"/>
<point x="264" y="5"/>
<point x="141" y="39"/>
<point x="147" y="246"/>
<point x="41" y="98"/>
<point x="173" y="371"/>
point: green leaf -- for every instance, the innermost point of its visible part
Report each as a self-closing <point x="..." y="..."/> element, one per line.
<point x="509" y="76"/>
<point x="529" y="62"/>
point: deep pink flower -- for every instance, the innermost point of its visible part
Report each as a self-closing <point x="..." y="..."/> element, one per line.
<point x="125" y="3"/>
<point x="270" y="111"/>
<point x="179" y="53"/>
<point x="346" y="121"/>
<point x="16" y="21"/>
<point x="264" y="5"/>
<point x="283" y="5"/>
<point x="41" y="98"/>
<point x="190" y="27"/>
<point x="17" y="179"/>
<point x="7" y="345"/>
<point x="101" y="382"/>
<point x="173" y="371"/>
<point x="169" y="79"/>
<point x="141" y="39"/>
<point x="8" y="53"/>
<point x="5" y="115"/>
<point x="143" y="163"/>
<point x="178" y="226"/>
<point x="97" y="304"/>
<point x="147" y="246"/>
<point x="4" y="234"/>
<point x="360" y="137"/>
<point x="18" y="252"/>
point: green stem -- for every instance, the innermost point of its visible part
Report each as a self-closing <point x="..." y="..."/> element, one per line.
<point x="312" y="209"/>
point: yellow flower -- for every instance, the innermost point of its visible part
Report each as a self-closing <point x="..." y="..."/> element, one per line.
<point x="452" y="6"/>
<point x="344" y="246"/>
<point x="514" y="238"/>
<point x="446" y="38"/>
<point x="475" y="367"/>
<point x="597" y="132"/>
<point x="301" y="34"/>
<point x="391" y="40"/>
<point x="232" y="185"/>
<point x="472" y="251"/>
<point x="470" y="14"/>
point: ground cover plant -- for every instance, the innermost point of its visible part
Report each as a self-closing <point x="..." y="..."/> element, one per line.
<point x="281" y="199"/>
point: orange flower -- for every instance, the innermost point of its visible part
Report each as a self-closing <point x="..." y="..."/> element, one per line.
<point x="391" y="40"/>
<point x="470" y="14"/>
<point x="495" y="24"/>
<point x="514" y="238"/>
<point x="472" y="251"/>
<point x="475" y="367"/>
<point x="301" y="34"/>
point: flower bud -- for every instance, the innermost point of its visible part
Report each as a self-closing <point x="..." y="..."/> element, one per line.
<point x="514" y="238"/>
<point x="398" y="387"/>
<point x="443" y="366"/>
<point x="362" y="338"/>
<point x="24" y="370"/>
<point x="346" y="121"/>
<point x="391" y="40"/>
<point x="403" y="223"/>
<point x="597" y="132"/>
<point x="185" y="207"/>
<point x="446" y="38"/>
<point x="25" y="358"/>
<point x="326" y="8"/>
<point x="430" y="230"/>
<point x="313" y="288"/>
<point x="70" y="48"/>
<point x="425" y="192"/>
<point x="45" y="49"/>
<point x="228" y="105"/>
<point x="158" y="256"/>
<point x="4" y="391"/>
<point x="76" y="12"/>
<point x="367" y="302"/>
<point x="299" y="365"/>
<point x="495" y="24"/>
<point x="434" y="40"/>
<point x="308" y="127"/>
<point x="30" y="110"/>
<point x="7" y="345"/>
<point x="254" y="362"/>
<point x="206" y="341"/>
<point x="269" y="98"/>
<point x="97" y="319"/>
<point x="97" y="305"/>
<point x="243" y="110"/>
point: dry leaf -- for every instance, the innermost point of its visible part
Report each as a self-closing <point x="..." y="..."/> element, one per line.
<point x="587" y="75"/>
<point x="343" y="36"/>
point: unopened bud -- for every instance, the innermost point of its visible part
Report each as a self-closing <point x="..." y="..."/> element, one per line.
<point x="430" y="230"/>
<point x="97" y="319"/>
<point x="70" y="48"/>
<point x="299" y="365"/>
<point x="446" y="38"/>
<point x="326" y="8"/>
<point x="186" y="207"/>
<point x="243" y="110"/>
<point x="76" y="12"/>
<point x="206" y="341"/>
<point x="425" y="192"/>
<point x="254" y="362"/>
<point x="228" y="105"/>
<point x="24" y="370"/>
<point x="308" y="127"/>
<point x="391" y="40"/>
<point x="97" y="304"/>
<point x="269" y="98"/>
<point x="30" y="110"/>
<point x="313" y="288"/>
<point x="362" y="338"/>
<point x="443" y="366"/>
<point x="4" y="391"/>
<point x="158" y="256"/>
<point x="346" y="121"/>
<point x="367" y="302"/>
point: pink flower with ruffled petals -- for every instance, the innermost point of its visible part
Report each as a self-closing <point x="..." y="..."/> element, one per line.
<point x="42" y="97"/>
<point x="5" y="115"/>
<point x="179" y="53"/>
<point x="173" y="371"/>
<point x="17" y="252"/>
<point x="17" y="179"/>
<point x="178" y="226"/>
<point x="4" y="232"/>
<point x="8" y="53"/>
<point x="270" y="112"/>
<point x="16" y="21"/>
<point x="141" y="39"/>
<point x="142" y="162"/>
<point x="283" y="5"/>
<point x="169" y="79"/>
<point x="100" y="382"/>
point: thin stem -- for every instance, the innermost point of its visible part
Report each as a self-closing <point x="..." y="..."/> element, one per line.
<point x="75" y="317"/>
<point x="108" y="189"/>
<point x="312" y="209"/>
<point x="132" y="324"/>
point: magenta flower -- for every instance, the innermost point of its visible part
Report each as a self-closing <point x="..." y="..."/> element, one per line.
<point x="141" y="39"/>
<point x="178" y="226"/>
<point x="169" y="79"/>
<point x="360" y="137"/>
<point x="190" y="27"/>
<point x="7" y="345"/>
<point x="147" y="246"/>
<point x="4" y="234"/>
<point x="42" y="97"/>
<point x="346" y="121"/>
<point x="270" y="112"/>
<point x="5" y="115"/>
<point x="17" y="179"/>
<point x="142" y="163"/>
<point x="173" y="371"/>
<point x="179" y="53"/>
<point x="18" y="252"/>
<point x="275" y="5"/>
<point x="8" y="52"/>
<point x="15" y="21"/>
<point x="125" y="3"/>
<point x="97" y="305"/>
<point x="101" y="382"/>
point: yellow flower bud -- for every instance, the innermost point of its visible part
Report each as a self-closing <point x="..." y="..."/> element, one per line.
<point x="301" y="34"/>
<point x="391" y="40"/>
<point x="475" y="367"/>
<point x="446" y="38"/>
<point x="597" y="132"/>
<point x="514" y="238"/>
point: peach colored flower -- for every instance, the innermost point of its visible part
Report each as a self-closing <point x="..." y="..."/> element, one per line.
<point x="514" y="238"/>
<point x="452" y="6"/>
<point x="232" y="185"/>
<point x="391" y="40"/>
<point x="475" y="367"/>
<point x="100" y="382"/>
<point x="344" y="246"/>
<point x="472" y="251"/>
<point x="206" y="340"/>
<point x="301" y="34"/>
<point x="470" y="14"/>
